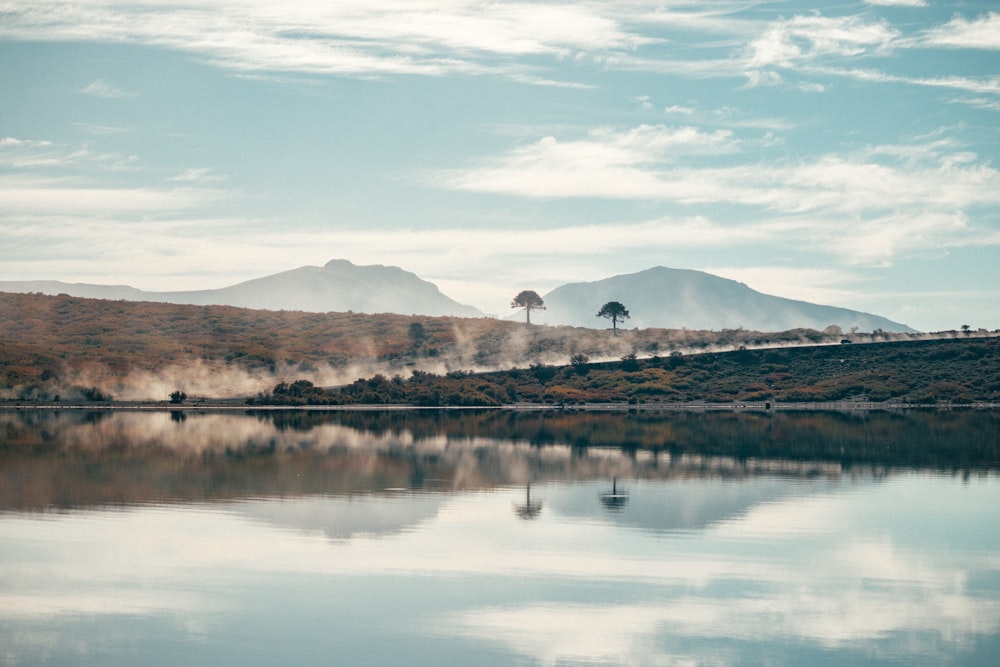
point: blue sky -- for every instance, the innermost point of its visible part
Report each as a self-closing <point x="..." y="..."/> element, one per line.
<point x="843" y="153"/>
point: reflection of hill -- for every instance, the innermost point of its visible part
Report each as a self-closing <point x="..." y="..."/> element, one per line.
<point x="688" y="504"/>
<point x="69" y="458"/>
<point x="341" y="518"/>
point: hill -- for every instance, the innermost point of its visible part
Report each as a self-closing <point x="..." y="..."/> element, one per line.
<point x="74" y="347"/>
<point x="661" y="297"/>
<point x="339" y="286"/>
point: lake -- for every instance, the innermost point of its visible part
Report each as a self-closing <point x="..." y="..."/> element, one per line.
<point x="499" y="538"/>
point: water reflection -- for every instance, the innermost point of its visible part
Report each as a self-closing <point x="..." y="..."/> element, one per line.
<point x="135" y="538"/>
<point x="614" y="500"/>
<point x="529" y="509"/>
<point x="77" y="459"/>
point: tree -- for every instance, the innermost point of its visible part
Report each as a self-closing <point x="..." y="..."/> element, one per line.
<point x="529" y="300"/>
<point x="178" y="396"/>
<point x="417" y="335"/>
<point x="615" y="312"/>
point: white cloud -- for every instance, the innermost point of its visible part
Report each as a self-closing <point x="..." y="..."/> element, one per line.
<point x="197" y="175"/>
<point x="430" y="37"/>
<point x="640" y="164"/>
<point x="680" y="109"/>
<point x="790" y="42"/>
<point x="757" y="78"/>
<point x="474" y="37"/>
<point x="960" y="32"/>
<point x="985" y="85"/>
<point x="30" y="196"/>
<point x="897" y="3"/>
<point x="606" y="163"/>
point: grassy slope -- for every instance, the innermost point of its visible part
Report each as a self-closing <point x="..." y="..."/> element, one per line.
<point x="57" y="346"/>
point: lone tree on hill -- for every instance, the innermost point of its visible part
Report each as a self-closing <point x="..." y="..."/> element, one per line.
<point x="615" y="312"/>
<point x="529" y="300"/>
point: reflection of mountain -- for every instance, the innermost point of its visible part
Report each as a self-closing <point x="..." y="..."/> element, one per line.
<point x="342" y="518"/>
<point x="684" y="504"/>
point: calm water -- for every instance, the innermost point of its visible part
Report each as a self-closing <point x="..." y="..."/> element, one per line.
<point x="464" y="538"/>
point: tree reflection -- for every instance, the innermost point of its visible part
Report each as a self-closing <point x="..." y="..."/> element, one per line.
<point x="616" y="499"/>
<point x="529" y="509"/>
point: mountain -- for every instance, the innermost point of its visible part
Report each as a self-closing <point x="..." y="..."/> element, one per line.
<point x="679" y="298"/>
<point x="339" y="286"/>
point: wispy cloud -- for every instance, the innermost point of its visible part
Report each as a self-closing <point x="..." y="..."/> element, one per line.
<point x="523" y="41"/>
<point x="803" y="39"/>
<point x="429" y="37"/>
<point x="982" y="85"/>
<point x="979" y="33"/>
<point x="8" y="143"/>
<point x="101" y="88"/>
<point x="93" y="128"/>
<point x="41" y="178"/>
<point x="33" y="154"/>
<point x="198" y="175"/>
<point x="978" y="102"/>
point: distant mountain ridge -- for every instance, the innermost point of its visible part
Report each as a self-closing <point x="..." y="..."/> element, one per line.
<point x="338" y="286"/>
<point x="658" y="297"/>
<point x="661" y="297"/>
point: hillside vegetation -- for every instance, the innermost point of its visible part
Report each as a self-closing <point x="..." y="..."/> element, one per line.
<point x="915" y="372"/>
<point x="69" y="348"/>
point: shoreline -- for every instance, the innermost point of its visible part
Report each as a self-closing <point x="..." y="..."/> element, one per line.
<point x="222" y="405"/>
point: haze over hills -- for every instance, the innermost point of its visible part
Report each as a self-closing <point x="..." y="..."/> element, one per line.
<point x="680" y="298"/>
<point x="659" y="297"/>
<point x="339" y="286"/>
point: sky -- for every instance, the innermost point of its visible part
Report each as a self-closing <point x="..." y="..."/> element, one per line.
<point x="844" y="153"/>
